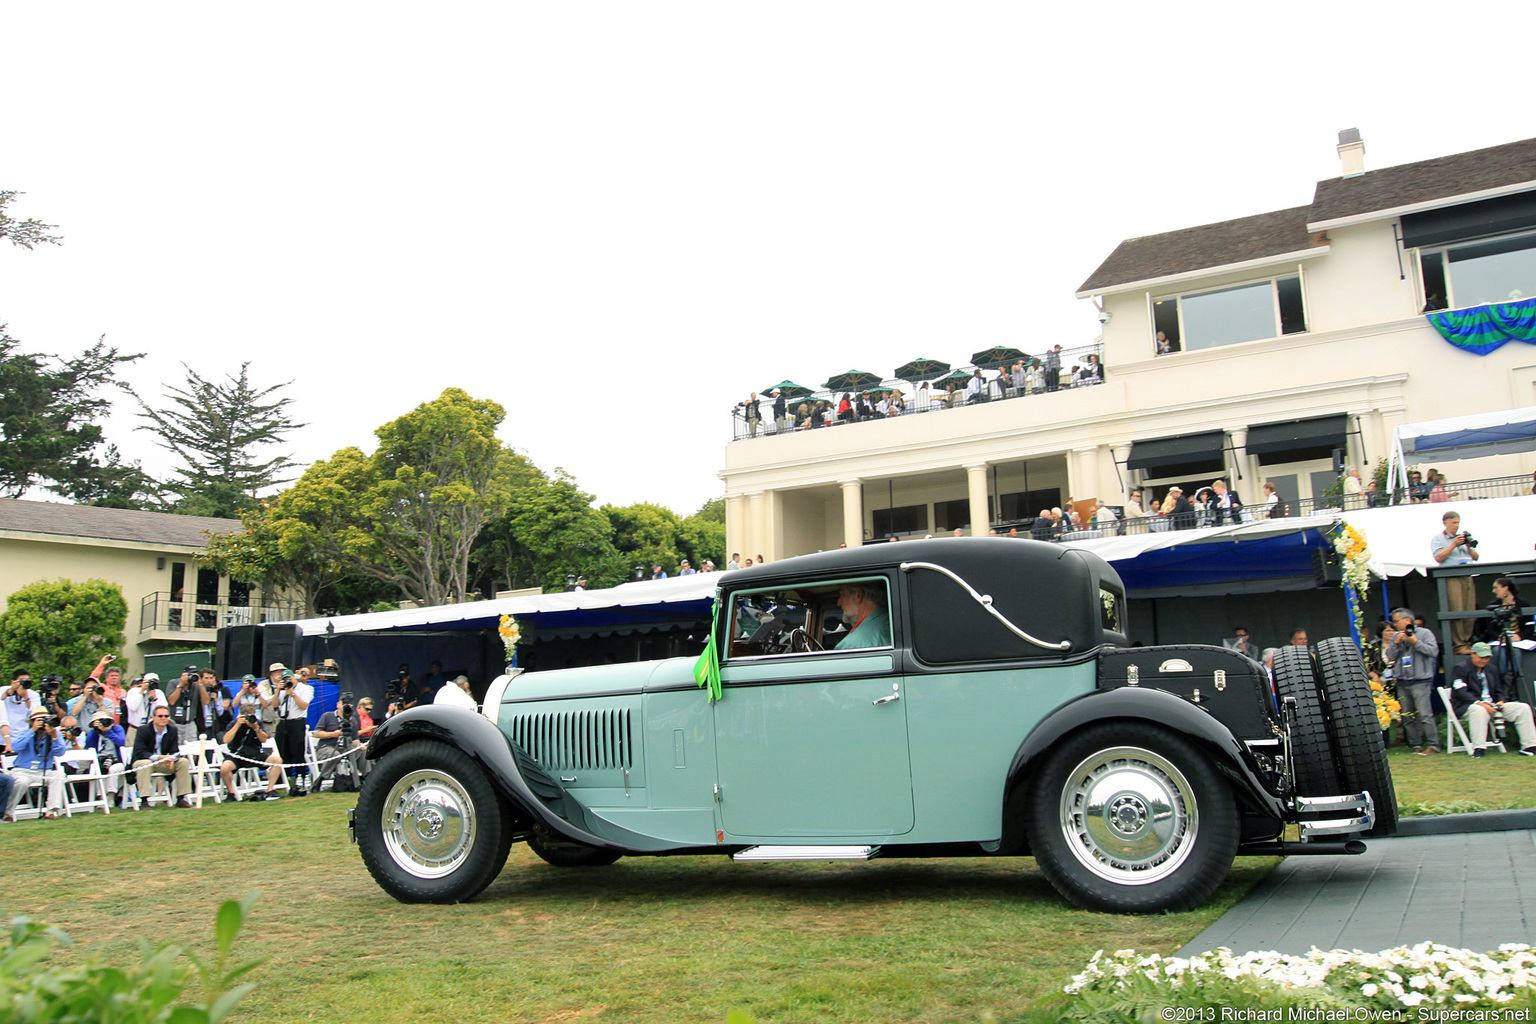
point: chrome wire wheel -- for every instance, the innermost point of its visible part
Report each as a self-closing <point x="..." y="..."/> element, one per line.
<point x="1129" y="815"/>
<point x="428" y="824"/>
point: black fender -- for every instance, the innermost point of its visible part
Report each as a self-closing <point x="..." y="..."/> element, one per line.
<point x="519" y="779"/>
<point x="1161" y="708"/>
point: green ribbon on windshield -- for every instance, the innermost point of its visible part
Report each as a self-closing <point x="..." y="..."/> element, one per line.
<point x="706" y="671"/>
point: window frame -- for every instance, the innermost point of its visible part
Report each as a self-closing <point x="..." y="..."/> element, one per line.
<point x="728" y="658"/>
<point x="1272" y="281"/>
<point x="1443" y="253"/>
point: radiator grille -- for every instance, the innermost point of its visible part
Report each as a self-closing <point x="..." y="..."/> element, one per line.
<point x="576" y="739"/>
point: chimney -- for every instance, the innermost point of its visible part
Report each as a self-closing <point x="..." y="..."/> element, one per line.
<point x="1351" y="152"/>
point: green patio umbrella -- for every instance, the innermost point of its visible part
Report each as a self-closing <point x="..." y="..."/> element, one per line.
<point x="852" y="380"/>
<point x="996" y="356"/>
<point x="920" y="369"/>
<point x="957" y="377"/>
<point x="790" y="389"/>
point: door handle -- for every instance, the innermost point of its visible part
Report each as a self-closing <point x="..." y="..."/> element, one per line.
<point x="886" y="700"/>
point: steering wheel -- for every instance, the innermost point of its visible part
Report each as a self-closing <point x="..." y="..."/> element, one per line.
<point x="801" y="642"/>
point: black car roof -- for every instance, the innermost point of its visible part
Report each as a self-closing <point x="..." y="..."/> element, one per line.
<point x="1010" y="554"/>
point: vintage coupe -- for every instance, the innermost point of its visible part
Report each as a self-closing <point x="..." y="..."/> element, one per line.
<point x="996" y="711"/>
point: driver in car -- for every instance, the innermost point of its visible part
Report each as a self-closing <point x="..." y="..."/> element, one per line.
<point x="864" y="611"/>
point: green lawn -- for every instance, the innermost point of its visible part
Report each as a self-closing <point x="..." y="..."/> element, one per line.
<point x="646" y="940"/>
<point x="671" y="940"/>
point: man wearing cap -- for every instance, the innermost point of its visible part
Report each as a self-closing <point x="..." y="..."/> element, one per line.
<point x="111" y="678"/>
<point x="1477" y="692"/>
<point x="456" y="693"/>
<point x="37" y="763"/>
<point x="155" y="753"/>
<point x="109" y="741"/>
<point x="19" y="702"/>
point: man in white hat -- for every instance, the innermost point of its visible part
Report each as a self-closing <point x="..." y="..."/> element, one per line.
<point x="143" y="697"/>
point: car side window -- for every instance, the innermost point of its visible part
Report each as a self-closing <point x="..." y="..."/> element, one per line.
<point x="808" y="619"/>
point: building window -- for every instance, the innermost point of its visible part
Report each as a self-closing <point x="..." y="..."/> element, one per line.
<point x="1479" y="273"/>
<point x="1229" y="316"/>
<point x="951" y="515"/>
<point x="907" y="519"/>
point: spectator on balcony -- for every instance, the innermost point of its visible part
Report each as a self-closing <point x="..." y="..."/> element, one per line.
<point x="1354" y="490"/>
<point x="1164" y="345"/>
<point x="1225" y="507"/>
<point x="1053" y="369"/>
<point x="997" y="387"/>
<point x="1133" y="512"/>
<point x="1437" y="491"/>
<point x="1418" y="490"/>
<point x="754" y="413"/>
<point x="1019" y="378"/>
<point x="1179" y="509"/>
<point x="1095" y="369"/>
<point x="780" y="413"/>
<point x="1273" y="506"/>
<point x="1044" y="527"/>
<point x="845" y="408"/>
<point x="953" y="395"/>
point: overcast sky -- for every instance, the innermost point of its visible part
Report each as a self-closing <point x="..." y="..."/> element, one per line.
<point x="616" y="219"/>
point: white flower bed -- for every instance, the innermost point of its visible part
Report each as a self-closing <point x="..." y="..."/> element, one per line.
<point x="1426" y="975"/>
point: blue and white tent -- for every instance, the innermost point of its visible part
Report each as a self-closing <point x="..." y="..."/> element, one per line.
<point x="1474" y="436"/>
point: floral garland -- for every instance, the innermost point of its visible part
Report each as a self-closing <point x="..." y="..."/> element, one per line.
<point x="1388" y="710"/>
<point x="1427" y="974"/>
<point x="1355" y="568"/>
<point x="511" y="636"/>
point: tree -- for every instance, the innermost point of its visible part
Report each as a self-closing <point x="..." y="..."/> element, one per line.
<point x="216" y="429"/>
<point x="645" y="534"/>
<point x="25" y="233"/>
<point x="61" y="626"/>
<point x="409" y="514"/>
<point x="274" y="553"/>
<point x="48" y="431"/>
<point x="702" y="535"/>
<point x="550" y="530"/>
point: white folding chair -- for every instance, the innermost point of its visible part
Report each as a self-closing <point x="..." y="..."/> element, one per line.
<point x="89" y="779"/>
<point x="248" y="780"/>
<point x="204" y="755"/>
<point x="1454" y="728"/>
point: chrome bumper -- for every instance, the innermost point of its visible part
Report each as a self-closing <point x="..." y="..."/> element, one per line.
<point x="1346" y="815"/>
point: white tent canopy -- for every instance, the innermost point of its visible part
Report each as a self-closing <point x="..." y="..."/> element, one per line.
<point x="1399" y="537"/>
<point x="1473" y="436"/>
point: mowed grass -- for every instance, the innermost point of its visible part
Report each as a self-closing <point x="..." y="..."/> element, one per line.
<point x="1433" y="783"/>
<point x="651" y="939"/>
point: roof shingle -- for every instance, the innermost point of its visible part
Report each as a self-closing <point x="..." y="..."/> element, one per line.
<point x="1203" y="247"/>
<point x="145" y="528"/>
<point x="1424" y="181"/>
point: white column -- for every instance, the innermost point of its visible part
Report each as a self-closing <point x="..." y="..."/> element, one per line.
<point x="757" y="526"/>
<point x="981" y="507"/>
<point x="735" y="524"/>
<point x="853" y="512"/>
<point x="1083" y="473"/>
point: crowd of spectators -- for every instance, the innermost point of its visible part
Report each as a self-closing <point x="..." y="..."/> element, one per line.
<point x="777" y="412"/>
<point x="141" y="733"/>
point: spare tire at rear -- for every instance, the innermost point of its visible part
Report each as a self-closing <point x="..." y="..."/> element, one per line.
<point x="1356" y="732"/>
<point x="1311" y="749"/>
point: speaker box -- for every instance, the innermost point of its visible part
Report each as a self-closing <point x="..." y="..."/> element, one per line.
<point x="280" y="642"/>
<point x="235" y="652"/>
<point x="1326" y="571"/>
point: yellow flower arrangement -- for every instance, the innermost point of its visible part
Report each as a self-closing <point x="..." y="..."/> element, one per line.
<point x="1388" y="710"/>
<point x="511" y="636"/>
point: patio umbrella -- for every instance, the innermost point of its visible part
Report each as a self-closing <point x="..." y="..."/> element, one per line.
<point x="996" y="356"/>
<point x="957" y="377"/>
<point x="920" y="369"/>
<point x="790" y="389"/>
<point x="852" y="380"/>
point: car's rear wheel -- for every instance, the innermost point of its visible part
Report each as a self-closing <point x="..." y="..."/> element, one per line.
<point x="430" y="826"/>
<point x="566" y="853"/>
<point x="1127" y="817"/>
<point x="1356" y="731"/>
<point x="1312" y="762"/>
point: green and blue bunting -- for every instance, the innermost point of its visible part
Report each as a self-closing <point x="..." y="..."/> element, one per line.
<point x="1481" y="329"/>
<point x="706" y="671"/>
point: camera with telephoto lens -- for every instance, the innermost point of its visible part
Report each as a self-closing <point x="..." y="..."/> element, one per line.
<point x="49" y="686"/>
<point x="1469" y="540"/>
<point x="1408" y="630"/>
<point x="348" y="706"/>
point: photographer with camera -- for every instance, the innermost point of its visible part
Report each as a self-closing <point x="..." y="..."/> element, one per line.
<point x="335" y="734"/>
<point x="155" y="752"/>
<point x="186" y="701"/>
<point x="48" y="692"/>
<point x="19" y="702"/>
<point x="293" y="695"/>
<point x="1507" y="627"/>
<point x="1455" y="546"/>
<point x="141" y="700"/>
<point x="246" y="740"/>
<point x="1479" y="696"/>
<point x="215" y="713"/>
<point x="94" y="702"/>
<point x="111" y="679"/>
<point x="111" y="745"/>
<point x="37" y="761"/>
<point x="1411" y="653"/>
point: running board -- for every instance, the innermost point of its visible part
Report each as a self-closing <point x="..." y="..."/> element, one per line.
<point x="806" y="853"/>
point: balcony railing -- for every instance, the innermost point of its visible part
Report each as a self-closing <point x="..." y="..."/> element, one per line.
<point x="908" y="398"/>
<point x="1204" y="518"/>
<point x="166" y="613"/>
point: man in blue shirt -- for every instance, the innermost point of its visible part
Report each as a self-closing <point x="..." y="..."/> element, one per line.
<point x="37" y="761"/>
<point x="863" y="607"/>
<point x="1450" y="547"/>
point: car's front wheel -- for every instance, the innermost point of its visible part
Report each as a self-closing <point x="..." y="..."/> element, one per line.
<point x="1127" y="817"/>
<point x="430" y="826"/>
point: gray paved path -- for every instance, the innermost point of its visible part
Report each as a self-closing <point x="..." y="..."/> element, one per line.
<point x="1473" y="890"/>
